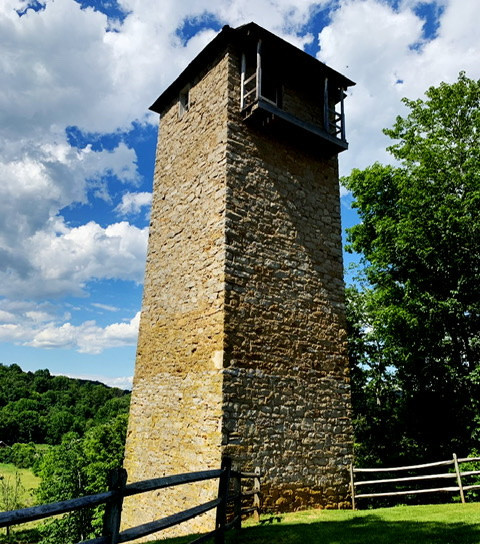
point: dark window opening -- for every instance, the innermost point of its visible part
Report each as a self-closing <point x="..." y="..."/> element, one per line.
<point x="183" y="102"/>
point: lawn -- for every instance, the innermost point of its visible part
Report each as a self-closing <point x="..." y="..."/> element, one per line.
<point x="430" y="524"/>
<point x="27" y="532"/>
<point x="29" y="481"/>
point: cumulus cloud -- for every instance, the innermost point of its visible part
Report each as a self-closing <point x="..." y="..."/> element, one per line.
<point x="132" y="203"/>
<point x="110" y="79"/>
<point x="122" y="382"/>
<point x="40" y="255"/>
<point x="88" y="337"/>
<point x="384" y="50"/>
<point x="41" y="178"/>
<point x="63" y="66"/>
<point x="58" y="260"/>
<point x="106" y="307"/>
<point x="67" y="66"/>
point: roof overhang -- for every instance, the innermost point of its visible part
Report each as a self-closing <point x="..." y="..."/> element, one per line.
<point x="291" y="57"/>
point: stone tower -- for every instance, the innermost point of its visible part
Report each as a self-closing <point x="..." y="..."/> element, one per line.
<point x="242" y="347"/>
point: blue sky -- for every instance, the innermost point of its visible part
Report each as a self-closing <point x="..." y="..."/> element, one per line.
<point x="77" y="142"/>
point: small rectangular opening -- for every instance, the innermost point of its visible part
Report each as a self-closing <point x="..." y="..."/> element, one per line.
<point x="183" y="101"/>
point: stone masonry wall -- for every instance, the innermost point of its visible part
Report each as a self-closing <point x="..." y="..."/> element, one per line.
<point x="241" y="348"/>
<point x="175" y="416"/>
<point x="294" y="101"/>
<point x="286" y="390"/>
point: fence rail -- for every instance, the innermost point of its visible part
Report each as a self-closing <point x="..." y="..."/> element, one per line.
<point x="113" y="499"/>
<point x="457" y="475"/>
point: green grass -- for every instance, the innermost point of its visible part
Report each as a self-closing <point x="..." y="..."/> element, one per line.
<point x="26" y="533"/>
<point x="430" y="524"/>
<point x="29" y="481"/>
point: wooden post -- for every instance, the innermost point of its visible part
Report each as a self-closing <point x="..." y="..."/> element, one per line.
<point x="242" y="82"/>
<point x="459" y="478"/>
<point x="352" y="486"/>
<point x="258" y="92"/>
<point x="326" y="107"/>
<point x="256" y="496"/>
<point x="237" y="505"/>
<point x="117" y="480"/>
<point x="223" y="495"/>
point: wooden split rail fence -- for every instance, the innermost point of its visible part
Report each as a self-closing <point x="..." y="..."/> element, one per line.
<point x="228" y="504"/>
<point x="457" y="475"/>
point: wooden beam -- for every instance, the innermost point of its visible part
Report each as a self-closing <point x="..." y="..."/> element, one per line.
<point x="33" y="513"/>
<point x="326" y="109"/>
<point x="459" y="478"/>
<point x="352" y="486"/>
<point x="411" y="492"/>
<point x="242" y="81"/>
<point x="411" y="479"/>
<point x="259" y="70"/>
<point x="169" y="521"/>
<point x="410" y="467"/>
<point x="170" y="481"/>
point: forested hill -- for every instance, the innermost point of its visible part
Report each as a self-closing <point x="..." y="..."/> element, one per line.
<point x="41" y="408"/>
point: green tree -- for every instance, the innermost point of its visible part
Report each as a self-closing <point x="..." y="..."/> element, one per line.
<point x="420" y="237"/>
<point x="59" y="422"/>
<point x="23" y="455"/>
<point x="77" y="467"/>
<point x="40" y="408"/>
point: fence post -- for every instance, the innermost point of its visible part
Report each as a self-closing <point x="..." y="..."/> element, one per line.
<point x="459" y="478"/>
<point x="223" y="495"/>
<point x="256" y="496"/>
<point x="117" y="480"/>
<point x="352" y="486"/>
<point x="237" y="505"/>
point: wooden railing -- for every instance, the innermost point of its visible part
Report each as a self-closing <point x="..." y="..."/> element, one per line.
<point x="226" y="518"/>
<point x="457" y="475"/>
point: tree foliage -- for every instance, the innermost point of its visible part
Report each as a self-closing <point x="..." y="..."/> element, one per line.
<point x="415" y="321"/>
<point x="83" y="422"/>
<point x="38" y="407"/>
<point x="77" y="467"/>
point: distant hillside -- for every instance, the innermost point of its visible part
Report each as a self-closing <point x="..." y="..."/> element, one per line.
<point x="38" y="407"/>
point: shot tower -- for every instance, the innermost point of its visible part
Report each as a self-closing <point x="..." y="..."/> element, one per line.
<point x="242" y="348"/>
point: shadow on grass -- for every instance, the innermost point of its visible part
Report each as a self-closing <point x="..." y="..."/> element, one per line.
<point x="369" y="529"/>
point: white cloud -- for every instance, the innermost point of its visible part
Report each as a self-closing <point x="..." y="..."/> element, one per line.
<point x="106" y="307"/>
<point x="122" y="382"/>
<point x="59" y="260"/>
<point x="57" y="65"/>
<point x="37" y="316"/>
<point x="87" y="337"/>
<point x="384" y="51"/>
<point x="5" y="317"/>
<point x="120" y="162"/>
<point x="63" y="66"/>
<point x="16" y="312"/>
<point x="110" y="79"/>
<point x="132" y="203"/>
<point x="44" y="325"/>
<point x="62" y="260"/>
<point x="37" y="180"/>
<point x="13" y="332"/>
